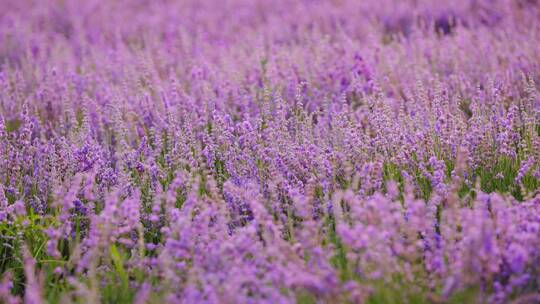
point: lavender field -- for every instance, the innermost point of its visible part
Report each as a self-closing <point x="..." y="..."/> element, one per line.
<point x="269" y="151"/>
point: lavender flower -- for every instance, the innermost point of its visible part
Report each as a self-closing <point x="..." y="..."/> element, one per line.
<point x="269" y="151"/>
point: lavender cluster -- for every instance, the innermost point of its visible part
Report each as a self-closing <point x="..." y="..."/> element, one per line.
<point x="253" y="151"/>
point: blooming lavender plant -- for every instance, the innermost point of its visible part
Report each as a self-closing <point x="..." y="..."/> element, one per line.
<point x="270" y="151"/>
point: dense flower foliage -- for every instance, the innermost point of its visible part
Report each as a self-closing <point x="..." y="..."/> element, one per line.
<point x="242" y="151"/>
